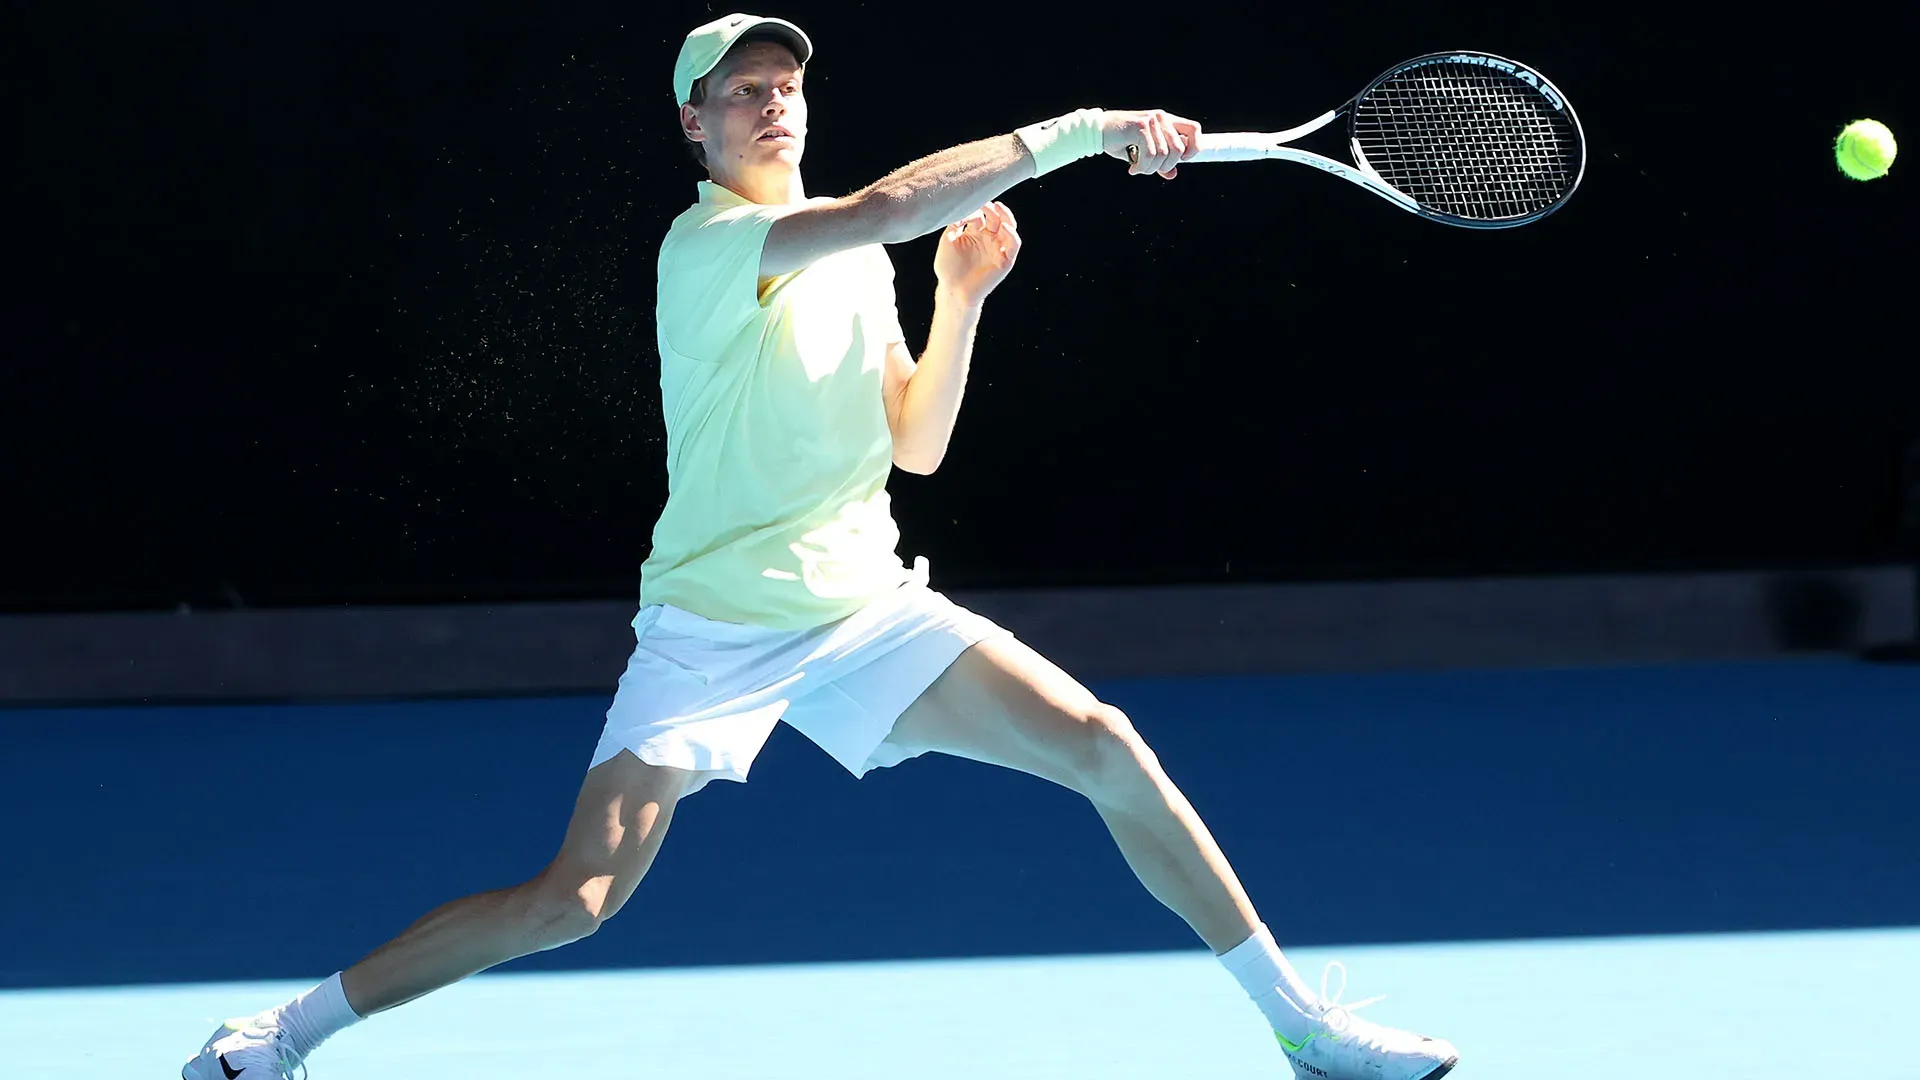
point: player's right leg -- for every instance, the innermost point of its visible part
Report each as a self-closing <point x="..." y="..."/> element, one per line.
<point x="619" y="820"/>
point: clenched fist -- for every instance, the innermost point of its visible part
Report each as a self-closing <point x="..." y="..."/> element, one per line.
<point x="1153" y="141"/>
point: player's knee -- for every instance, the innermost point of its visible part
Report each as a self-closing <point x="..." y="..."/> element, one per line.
<point x="1111" y="763"/>
<point x="558" y="914"/>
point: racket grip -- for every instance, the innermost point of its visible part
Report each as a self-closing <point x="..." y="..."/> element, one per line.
<point x="1235" y="146"/>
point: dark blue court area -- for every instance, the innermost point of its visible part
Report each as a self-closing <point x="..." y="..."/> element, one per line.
<point x="233" y="843"/>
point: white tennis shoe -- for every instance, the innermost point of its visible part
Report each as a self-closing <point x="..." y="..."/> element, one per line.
<point x="1343" y="1046"/>
<point x="249" y="1048"/>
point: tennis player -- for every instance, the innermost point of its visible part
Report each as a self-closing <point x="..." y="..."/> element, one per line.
<point x="773" y="591"/>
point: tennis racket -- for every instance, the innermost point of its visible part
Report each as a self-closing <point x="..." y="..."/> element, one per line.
<point x="1461" y="138"/>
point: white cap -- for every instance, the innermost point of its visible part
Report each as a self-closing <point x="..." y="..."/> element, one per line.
<point x="706" y="45"/>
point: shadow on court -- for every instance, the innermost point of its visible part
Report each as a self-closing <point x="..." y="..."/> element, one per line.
<point x="188" y="844"/>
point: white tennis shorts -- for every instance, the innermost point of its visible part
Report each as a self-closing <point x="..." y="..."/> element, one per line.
<point x="704" y="695"/>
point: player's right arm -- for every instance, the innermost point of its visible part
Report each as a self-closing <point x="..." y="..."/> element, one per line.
<point x="936" y="191"/>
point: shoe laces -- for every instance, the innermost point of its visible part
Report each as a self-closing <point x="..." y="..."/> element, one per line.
<point x="1337" y="1014"/>
<point x="285" y="1060"/>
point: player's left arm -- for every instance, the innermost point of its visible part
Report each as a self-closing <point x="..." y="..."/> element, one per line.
<point x="923" y="399"/>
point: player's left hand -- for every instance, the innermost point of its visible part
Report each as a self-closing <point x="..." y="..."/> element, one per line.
<point x="976" y="253"/>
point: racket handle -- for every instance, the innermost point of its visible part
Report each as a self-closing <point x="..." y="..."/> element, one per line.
<point x="1236" y="146"/>
<point x="1258" y="145"/>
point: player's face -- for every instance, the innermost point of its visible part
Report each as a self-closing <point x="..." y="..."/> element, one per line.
<point x="754" y="115"/>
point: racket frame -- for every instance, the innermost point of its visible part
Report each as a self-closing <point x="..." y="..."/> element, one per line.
<point x="1272" y="145"/>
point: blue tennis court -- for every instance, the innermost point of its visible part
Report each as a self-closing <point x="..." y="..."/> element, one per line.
<point x="1660" y="871"/>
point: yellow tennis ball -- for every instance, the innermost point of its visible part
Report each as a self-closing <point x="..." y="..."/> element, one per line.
<point x="1865" y="150"/>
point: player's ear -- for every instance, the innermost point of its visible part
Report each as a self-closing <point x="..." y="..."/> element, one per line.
<point x="690" y="124"/>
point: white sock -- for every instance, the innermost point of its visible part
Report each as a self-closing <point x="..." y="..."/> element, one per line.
<point x="1273" y="984"/>
<point x="317" y="1015"/>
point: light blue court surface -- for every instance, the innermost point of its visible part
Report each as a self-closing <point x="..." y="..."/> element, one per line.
<point x="1839" y="1005"/>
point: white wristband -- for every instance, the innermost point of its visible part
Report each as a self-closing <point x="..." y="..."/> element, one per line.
<point x="1055" y="142"/>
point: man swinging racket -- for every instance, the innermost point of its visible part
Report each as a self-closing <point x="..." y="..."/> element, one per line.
<point x="773" y="592"/>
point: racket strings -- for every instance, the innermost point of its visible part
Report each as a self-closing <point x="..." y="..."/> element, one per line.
<point x="1467" y="140"/>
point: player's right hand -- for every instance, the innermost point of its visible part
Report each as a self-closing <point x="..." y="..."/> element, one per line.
<point x="1161" y="140"/>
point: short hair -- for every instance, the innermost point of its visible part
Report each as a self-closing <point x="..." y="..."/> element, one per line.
<point x="698" y="95"/>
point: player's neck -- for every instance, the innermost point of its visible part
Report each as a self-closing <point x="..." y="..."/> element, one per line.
<point x="772" y="187"/>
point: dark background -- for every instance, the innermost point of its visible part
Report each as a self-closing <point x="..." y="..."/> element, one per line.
<point x="352" y="304"/>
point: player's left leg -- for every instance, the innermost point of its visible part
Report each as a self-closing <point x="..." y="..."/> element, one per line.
<point x="1005" y="704"/>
